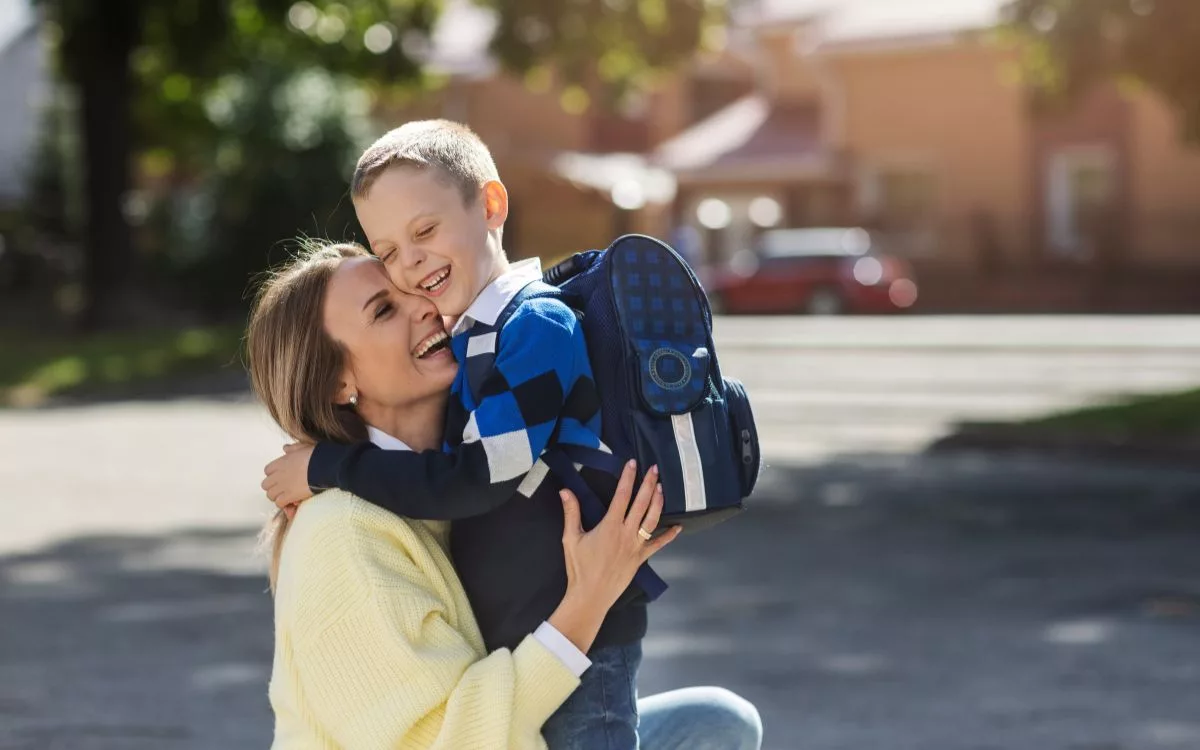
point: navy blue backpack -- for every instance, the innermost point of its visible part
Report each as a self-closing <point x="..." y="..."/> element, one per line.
<point x="663" y="399"/>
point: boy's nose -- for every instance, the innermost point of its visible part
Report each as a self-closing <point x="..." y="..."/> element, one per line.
<point x="412" y="257"/>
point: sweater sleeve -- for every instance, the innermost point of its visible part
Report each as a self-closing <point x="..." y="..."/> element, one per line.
<point x="430" y="485"/>
<point x="389" y="671"/>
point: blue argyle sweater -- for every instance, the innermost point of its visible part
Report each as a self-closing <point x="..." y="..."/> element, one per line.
<point x="534" y="391"/>
<point x="507" y="405"/>
<point x="518" y="391"/>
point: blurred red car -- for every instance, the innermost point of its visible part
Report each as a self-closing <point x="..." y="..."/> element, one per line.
<point x="827" y="271"/>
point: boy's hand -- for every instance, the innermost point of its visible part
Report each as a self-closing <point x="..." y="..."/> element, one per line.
<point x="286" y="482"/>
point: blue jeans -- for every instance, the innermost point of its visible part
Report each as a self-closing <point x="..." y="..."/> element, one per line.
<point x="604" y="712"/>
<point x="699" y="718"/>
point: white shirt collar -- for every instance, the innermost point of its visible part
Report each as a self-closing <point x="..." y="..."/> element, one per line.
<point x="496" y="295"/>
<point x="385" y="441"/>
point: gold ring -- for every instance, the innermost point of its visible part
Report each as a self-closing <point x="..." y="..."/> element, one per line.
<point x="645" y="535"/>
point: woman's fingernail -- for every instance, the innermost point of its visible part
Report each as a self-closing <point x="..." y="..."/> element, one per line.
<point x="654" y="469"/>
<point x="658" y="490"/>
<point x="631" y="464"/>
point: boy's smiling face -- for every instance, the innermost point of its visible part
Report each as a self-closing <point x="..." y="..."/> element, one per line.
<point x="432" y="242"/>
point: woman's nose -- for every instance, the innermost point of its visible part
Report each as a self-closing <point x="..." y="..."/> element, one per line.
<point x="419" y="308"/>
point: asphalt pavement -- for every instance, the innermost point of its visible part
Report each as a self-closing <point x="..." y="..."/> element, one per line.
<point x="872" y="597"/>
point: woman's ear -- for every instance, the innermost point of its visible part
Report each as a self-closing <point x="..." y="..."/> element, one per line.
<point x="347" y="393"/>
<point x="495" y="204"/>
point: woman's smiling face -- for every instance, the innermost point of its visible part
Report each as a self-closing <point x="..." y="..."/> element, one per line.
<point x="397" y="348"/>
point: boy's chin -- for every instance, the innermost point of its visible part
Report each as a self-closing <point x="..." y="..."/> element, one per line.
<point x="450" y="311"/>
<point x="451" y="305"/>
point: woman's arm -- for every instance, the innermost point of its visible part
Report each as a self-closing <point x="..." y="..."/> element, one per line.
<point x="395" y="673"/>
<point x="381" y="664"/>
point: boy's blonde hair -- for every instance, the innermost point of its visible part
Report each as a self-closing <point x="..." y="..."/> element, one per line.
<point x="458" y="155"/>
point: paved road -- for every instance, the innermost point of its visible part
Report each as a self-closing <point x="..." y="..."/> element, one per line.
<point x="872" y="599"/>
<point x="825" y="386"/>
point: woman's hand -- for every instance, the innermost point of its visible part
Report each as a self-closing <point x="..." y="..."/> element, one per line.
<point x="601" y="562"/>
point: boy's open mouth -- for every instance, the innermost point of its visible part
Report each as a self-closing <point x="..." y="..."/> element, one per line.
<point x="431" y="345"/>
<point x="435" y="282"/>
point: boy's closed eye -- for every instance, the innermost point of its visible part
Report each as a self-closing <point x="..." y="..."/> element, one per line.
<point x="426" y="232"/>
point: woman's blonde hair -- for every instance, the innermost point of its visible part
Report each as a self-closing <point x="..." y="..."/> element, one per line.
<point x="295" y="366"/>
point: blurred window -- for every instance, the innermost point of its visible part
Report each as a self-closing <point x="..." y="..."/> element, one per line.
<point x="1081" y="190"/>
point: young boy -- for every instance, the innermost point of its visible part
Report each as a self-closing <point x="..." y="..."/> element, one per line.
<point x="430" y="201"/>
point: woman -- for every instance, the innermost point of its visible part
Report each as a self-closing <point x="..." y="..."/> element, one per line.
<point x="375" y="642"/>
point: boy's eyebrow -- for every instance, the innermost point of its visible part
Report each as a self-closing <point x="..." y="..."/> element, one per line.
<point x="422" y="215"/>
<point x="373" y="297"/>
<point x="413" y="220"/>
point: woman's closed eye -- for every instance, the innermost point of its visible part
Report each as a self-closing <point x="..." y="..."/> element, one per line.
<point x="383" y="310"/>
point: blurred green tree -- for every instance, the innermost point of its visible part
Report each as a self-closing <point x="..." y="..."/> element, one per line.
<point x="283" y="145"/>
<point x="1073" y="44"/>
<point x="144" y="72"/>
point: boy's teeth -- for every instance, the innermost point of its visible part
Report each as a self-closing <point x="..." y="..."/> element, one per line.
<point x="441" y="277"/>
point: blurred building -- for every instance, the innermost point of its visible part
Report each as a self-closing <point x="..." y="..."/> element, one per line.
<point x="905" y="117"/>
<point x="23" y="79"/>
<point x="562" y="169"/>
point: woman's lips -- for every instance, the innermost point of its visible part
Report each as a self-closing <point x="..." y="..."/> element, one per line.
<point x="443" y="353"/>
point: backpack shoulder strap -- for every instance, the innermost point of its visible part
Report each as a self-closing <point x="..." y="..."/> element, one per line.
<point x="532" y="290"/>
<point x="479" y="366"/>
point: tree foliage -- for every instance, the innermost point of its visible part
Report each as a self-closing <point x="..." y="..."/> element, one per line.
<point x="152" y="76"/>
<point x="1073" y="44"/>
<point x="616" y="43"/>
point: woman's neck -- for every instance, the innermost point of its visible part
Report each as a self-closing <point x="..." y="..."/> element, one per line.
<point x="418" y="425"/>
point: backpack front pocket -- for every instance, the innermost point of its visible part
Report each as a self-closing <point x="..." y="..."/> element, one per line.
<point x="694" y="453"/>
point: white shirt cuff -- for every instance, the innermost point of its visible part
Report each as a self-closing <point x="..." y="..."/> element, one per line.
<point x="557" y="644"/>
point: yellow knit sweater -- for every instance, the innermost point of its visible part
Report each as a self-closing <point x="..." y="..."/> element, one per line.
<point x="376" y="646"/>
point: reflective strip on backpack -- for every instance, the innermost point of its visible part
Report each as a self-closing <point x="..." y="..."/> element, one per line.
<point x="689" y="461"/>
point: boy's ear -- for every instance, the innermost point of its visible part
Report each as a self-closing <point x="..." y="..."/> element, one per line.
<point x="495" y="203"/>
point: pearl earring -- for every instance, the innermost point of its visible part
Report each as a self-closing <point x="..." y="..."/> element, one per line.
<point x="353" y="399"/>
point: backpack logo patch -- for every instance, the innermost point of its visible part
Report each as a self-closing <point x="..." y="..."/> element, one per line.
<point x="669" y="369"/>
